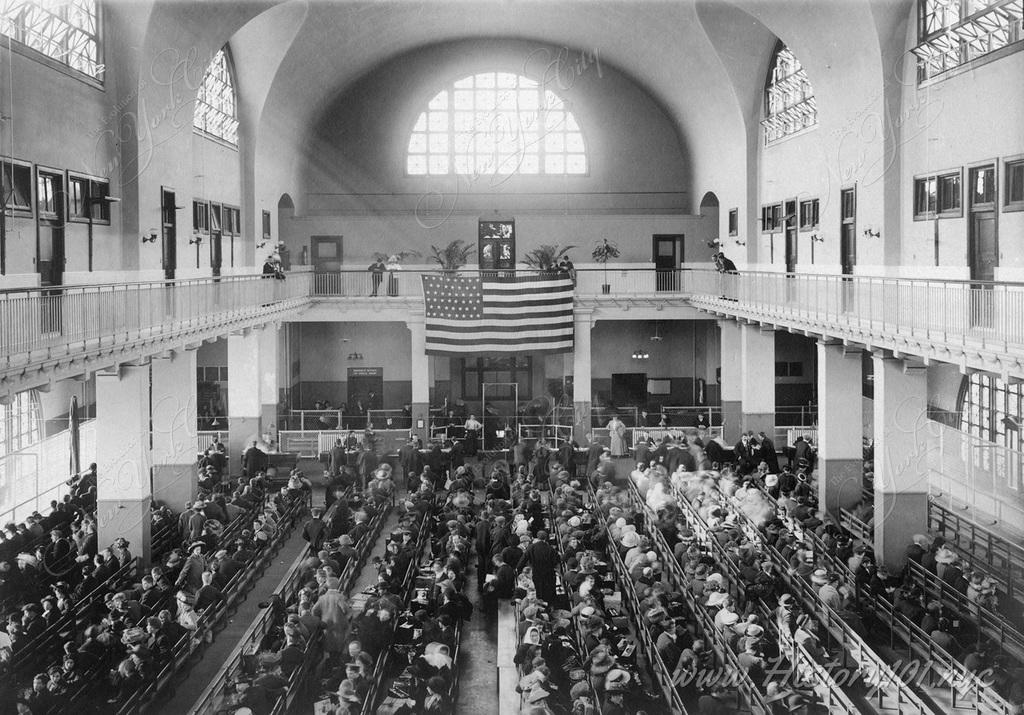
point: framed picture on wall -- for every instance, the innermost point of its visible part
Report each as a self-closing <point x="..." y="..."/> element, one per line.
<point x="497" y="244"/>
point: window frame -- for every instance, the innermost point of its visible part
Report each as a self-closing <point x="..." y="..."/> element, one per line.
<point x="200" y="216"/>
<point x="734" y="222"/>
<point x="777" y="100"/>
<point x="203" y="107"/>
<point x="50" y="173"/>
<point x="939" y="211"/>
<point x="1009" y="164"/>
<point x="26" y="210"/>
<point x="19" y="45"/>
<point x="95" y="212"/>
<point x="267" y="227"/>
<point x="454" y="135"/>
<point x="776" y="210"/>
<point x="811" y="226"/>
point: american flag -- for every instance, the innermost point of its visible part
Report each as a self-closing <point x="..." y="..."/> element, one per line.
<point x="493" y="314"/>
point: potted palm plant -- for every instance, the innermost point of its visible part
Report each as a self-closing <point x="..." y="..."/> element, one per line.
<point x="453" y="256"/>
<point x="604" y="251"/>
<point x="546" y="257"/>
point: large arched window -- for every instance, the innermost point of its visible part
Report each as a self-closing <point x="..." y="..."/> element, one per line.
<point x="789" y="104"/>
<point x="20" y="422"/>
<point x="65" y="31"/>
<point x="216" y="106"/>
<point x="496" y="123"/>
<point x="992" y="410"/>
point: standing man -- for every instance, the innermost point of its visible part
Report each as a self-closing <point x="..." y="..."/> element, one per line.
<point x="768" y="454"/>
<point x="376" y="270"/>
<point x="338" y="458"/>
<point x="410" y="460"/>
<point x="474" y="428"/>
<point x="544" y="561"/>
<point x="594" y="452"/>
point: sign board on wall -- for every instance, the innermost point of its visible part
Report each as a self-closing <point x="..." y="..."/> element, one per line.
<point x="366" y="372"/>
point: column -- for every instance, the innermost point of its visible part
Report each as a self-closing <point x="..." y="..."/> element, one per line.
<point x="270" y="356"/>
<point x="731" y="379"/>
<point x="901" y="457"/>
<point x="174" y="428"/>
<point x="123" y="458"/>
<point x="420" y="377"/>
<point x="757" y="378"/>
<point x="245" y="402"/>
<point x="840" y="427"/>
<point x="583" y="323"/>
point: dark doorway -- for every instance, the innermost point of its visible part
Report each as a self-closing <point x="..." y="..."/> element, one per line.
<point x="983" y="242"/>
<point x="365" y="391"/>
<point x="169" y="233"/>
<point x="848" y="230"/>
<point x="217" y="214"/>
<point x="629" y="389"/>
<point x="668" y="256"/>
<point x="50" y="263"/>
<point x="791" y="220"/>
<point x="325" y="253"/>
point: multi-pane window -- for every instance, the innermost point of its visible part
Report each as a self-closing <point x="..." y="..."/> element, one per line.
<point x="216" y="106"/>
<point x="65" y="30"/>
<point x="215" y="224"/>
<point x="20" y="422"/>
<point x="1014" y="172"/>
<point x="17" y="186"/>
<point x="992" y="410"/>
<point x="734" y="222"/>
<point x="983" y="186"/>
<point x="496" y="123"/>
<point x="499" y="374"/>
<point x="771" y="218"/>
<point x="789" y="104"/>
<point x="86" y="198"/>
<point x="266" y="224"/>
<point x="953" y="32"/>
<point x="232" y="221"/>
<point x="809" y="214"/>
<point x="47" y="189"/>
<point x="200" y="216"/>
<point x="939" y="195"/>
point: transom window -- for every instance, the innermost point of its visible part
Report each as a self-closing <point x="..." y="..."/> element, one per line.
<point x="954" y="32"/>
<point x="496" y="123"/>
<point x="789" y="104"/>
<point x="216" y="107"/>
<point x="938" y="195"/>
<point x="63" y="30"/>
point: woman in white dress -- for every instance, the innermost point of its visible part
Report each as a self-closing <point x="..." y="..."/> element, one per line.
<point x="617" y="435"/>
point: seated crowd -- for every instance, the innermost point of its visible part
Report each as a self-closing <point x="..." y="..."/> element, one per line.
<point x="84" y="626"/>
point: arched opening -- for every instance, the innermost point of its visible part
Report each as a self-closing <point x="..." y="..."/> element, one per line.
<point x="705" y="246"/>
<point x="285" y="242"/>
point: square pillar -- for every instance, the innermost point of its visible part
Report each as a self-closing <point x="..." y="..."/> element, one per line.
<point x="245" y="403"/>
<point x="268" y="338"/>
<point x="902" y="438"/>
<point x="175" y="444"/>
<point x="840" y="426"/>
<point x="731" y="379"/>
<point x="123" y="486"/>
<point x="582" y="395"/>
<point x="420" y="405"/>
<point x="757" y="378"/>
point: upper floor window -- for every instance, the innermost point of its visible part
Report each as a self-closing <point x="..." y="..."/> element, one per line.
<point x="992" y="410"/>
<point x="64" y="30"/>
<point x="496" y="123"/>
<point x="789" y="104"/>
<point x="216" y="106"/>
<point x="954" y="32"/>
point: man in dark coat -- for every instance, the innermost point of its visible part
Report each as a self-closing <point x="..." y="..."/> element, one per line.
<point x="544" y="560"/>
<point x="767" y="453"/>
<point x="594" y="451"/>
<point x="567" y="457"/>
<point x="410" y="460"/>
<point x="482" y="544"/>
<point x="253" y="460"/>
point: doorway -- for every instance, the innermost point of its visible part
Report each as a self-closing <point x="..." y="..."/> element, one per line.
<point x="629" y="389"/>
<point x="789" y="227"/>
<point x="51" y="257"/>
<point x="217" y="214"/>
<point x="668" y="257"/>
<point x="326" y="253"/>
<point x="169" y="233"/>
<point x="365" y="391"/>
<point x="983" y="242"/>
<point x="848" y="230"/>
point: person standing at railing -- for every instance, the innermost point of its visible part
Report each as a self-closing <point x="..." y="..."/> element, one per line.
<point x="376" y="270"/>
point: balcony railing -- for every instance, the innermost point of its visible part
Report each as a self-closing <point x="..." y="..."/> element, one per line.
<point x="89" y="317"/>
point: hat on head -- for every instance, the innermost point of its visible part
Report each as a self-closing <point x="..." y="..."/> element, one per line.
<point x="631" y="540"/>
<point x="717" y="599"/>
<point x="717" y="578"/>
<point x="772" y="480"/>
<point x="819" y="577"/>
<point x="754" y="630"/>
<point x="617" y="680"/>
<point x="921" y="540"/>
<point x="196" y="544"/>
<point x="730" y="618"/>
<point x="945" y="555"/>
<point x="587" y="611"/>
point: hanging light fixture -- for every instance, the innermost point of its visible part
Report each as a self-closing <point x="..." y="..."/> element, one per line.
<point x="641" y="355"/>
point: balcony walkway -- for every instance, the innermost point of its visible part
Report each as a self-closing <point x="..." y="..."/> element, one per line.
<point x="49" y="334"/>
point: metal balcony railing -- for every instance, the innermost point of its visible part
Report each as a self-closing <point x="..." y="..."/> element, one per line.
<point x="69" y="318"/>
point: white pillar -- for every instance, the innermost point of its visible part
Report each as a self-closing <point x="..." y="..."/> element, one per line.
<point x="757" y="378"/>
<point x="583" y="324"/>
<point x="123" y="487"/>
<point x="245" y="401"/>
<point x="420" y="377"/>
<point x="731" y="379"/>
<point x="901" y="456"/>
<point x="270" y="356"/>
<point x="840" y="424"/>
<point x="174" y="429"/>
